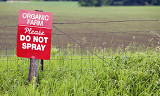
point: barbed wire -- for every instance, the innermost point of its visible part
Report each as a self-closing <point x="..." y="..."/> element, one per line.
<point x="106" y="57"/>
<point x="78" y="43"/>
<point x="114" y="21"/>
<point x="63" y="69"/>
<point x="7" y="26"/>
<point x="147" y="31"/>
<point x="57" y="70"/>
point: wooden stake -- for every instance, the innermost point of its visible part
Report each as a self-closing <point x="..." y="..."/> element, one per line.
<point x="33" y="70"/>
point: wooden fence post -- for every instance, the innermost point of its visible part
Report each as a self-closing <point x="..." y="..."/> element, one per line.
<point x="33" y="70"/>
<point x="41" y="64"/>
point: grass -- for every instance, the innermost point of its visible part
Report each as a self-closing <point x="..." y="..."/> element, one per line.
<point x="63" y="11"/>
<point x="125" y="73"/>
<point x="78" y="72"/>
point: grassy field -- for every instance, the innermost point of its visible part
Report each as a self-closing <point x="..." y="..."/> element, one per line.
<point x="72" y="12"/>
<point x="124" y="74"/>
<point x="69" y="12"/>
<point x="131" y="69"/>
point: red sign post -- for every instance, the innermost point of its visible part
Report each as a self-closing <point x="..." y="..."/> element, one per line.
<point x="34" y="34"/>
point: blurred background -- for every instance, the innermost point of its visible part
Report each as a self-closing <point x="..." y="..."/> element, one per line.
<point x="91" y="23"/>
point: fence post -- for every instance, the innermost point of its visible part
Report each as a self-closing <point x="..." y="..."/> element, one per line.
<point x="41" y="64"/>
<point x="33" y="70"/>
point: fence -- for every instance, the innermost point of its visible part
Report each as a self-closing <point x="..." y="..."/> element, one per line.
<point x="78" y="45"/>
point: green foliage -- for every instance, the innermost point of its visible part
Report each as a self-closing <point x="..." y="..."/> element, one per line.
<point x="90" y="2"/>
<point x="126" y="73"/>
<point x="35" y="0"/>
<point x="61" y="0"/>
<point x="155" y="2"/>
<point x="118" y="2"/>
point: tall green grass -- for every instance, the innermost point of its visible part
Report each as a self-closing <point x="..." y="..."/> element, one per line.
<point x="77" y="74"/>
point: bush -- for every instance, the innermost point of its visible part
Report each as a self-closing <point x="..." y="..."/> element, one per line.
<point x="91" y="2"/>
<point x="118" y="2"/>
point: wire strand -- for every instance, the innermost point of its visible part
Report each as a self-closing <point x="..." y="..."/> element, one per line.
<point x="113" y="21"/>
<point x="78" y="43"/>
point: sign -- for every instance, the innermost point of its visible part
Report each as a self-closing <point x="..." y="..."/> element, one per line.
<point x="34" y="34"/>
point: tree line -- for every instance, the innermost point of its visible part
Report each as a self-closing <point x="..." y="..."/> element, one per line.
<point x="118" y="2"/>
<point x="109" y="2"/>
